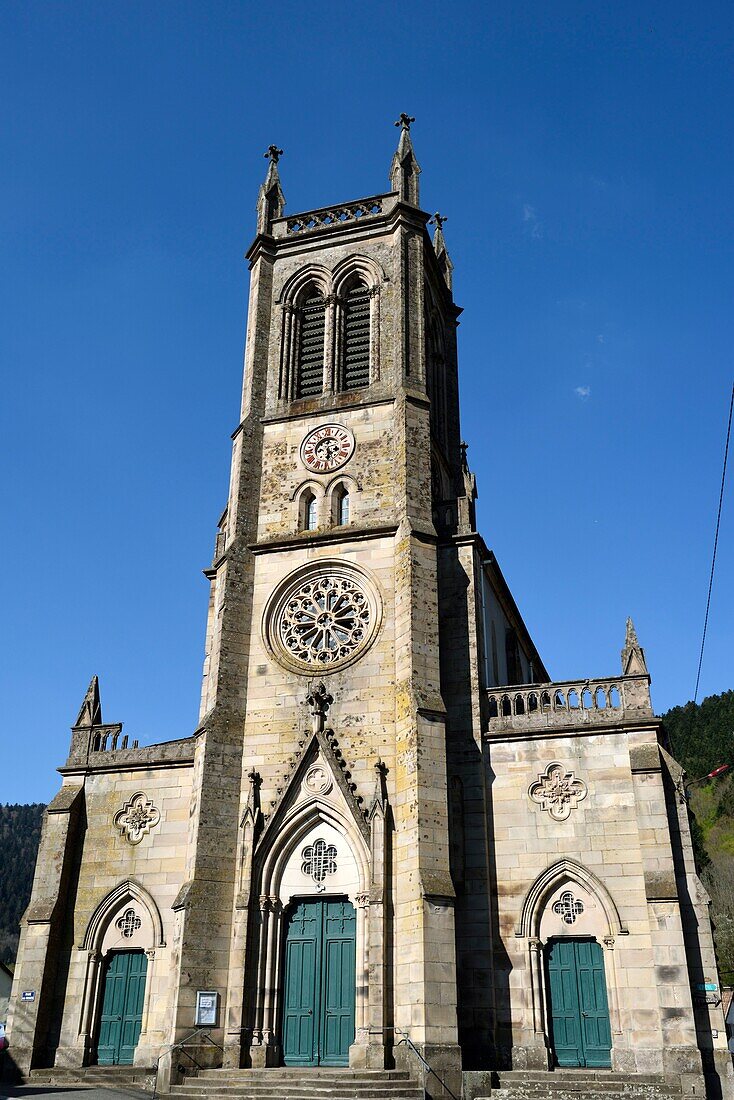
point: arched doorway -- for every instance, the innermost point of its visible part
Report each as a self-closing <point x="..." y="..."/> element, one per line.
<point x="120" y="944"/>
<point x="578" y="1009"/>
<point x="309" y="994"/>
<point x="319" y="982"/>
<point x="571" y="923"/>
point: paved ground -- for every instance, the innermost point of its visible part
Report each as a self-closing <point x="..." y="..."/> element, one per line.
<point x="39" y="1092"/>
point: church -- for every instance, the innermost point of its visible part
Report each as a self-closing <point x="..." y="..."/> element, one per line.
<point x="394" y="858"/>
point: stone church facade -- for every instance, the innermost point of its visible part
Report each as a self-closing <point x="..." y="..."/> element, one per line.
<point x="370" y="837"/>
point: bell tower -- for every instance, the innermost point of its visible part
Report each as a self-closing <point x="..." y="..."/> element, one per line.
<point x="347" y="466"/>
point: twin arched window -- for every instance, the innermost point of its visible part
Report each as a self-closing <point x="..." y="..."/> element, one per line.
<point x="308" y="510"/>
<point x="330" y="341"/>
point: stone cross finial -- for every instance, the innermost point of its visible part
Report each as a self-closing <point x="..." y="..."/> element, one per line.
<point x="438" y="220"/>
<point x="319" y="700"/>
<point x="404" y="121"/>
<point x="273" y="153"/>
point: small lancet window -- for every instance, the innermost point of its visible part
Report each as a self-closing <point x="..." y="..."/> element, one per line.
<point x="341" y="506"/>
<point x="356" y="359"/>
<point x="309" y="516"/>
<point x="310" y="363"/>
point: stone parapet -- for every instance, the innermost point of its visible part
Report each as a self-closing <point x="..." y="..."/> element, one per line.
<point x="526" y="708"/>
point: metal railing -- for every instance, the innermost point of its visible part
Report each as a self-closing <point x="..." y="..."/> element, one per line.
<point x="405" y="1038"/>
<point x="181" y="1045"/>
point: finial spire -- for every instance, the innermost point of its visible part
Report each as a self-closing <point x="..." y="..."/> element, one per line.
<point x="439" y="247"/>
<point x="405" y="169"/>
<point x="404" y="121"/>
<point x="271" y="200"/>
<point x="633" y="655"/>
<point x="318" y="700"/>
<point x="90" y="713"/>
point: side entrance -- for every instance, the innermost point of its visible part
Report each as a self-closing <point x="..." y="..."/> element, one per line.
<point x="320" y="962"/>
<point x="580" y="1031"/>
<point x="122" y="1007"/>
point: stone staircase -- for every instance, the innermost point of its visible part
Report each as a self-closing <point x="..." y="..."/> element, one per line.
<point x="292" y="1083"/>
<point x="570" y="1085"/>
<point x="127" y="1078"/>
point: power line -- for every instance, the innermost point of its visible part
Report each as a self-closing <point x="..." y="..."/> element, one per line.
<point x="716" y="543"/>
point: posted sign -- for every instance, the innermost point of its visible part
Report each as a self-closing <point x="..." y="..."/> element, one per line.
<point x="207" y="1002"/>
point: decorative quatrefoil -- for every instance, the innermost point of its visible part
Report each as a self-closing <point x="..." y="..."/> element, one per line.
<point x="568" y="907"/>
<point x="558" y="791"/>
<point x="129" y="923"/>
<point x="137" y="817"/>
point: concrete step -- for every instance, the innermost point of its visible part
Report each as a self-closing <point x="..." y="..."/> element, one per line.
<point x="578" y="1085"/>
<point x="291" y="1083"/>
<point x="315" y="1073"/>
<point x="288" y="1091"/>
<point x="93" y="1075"/>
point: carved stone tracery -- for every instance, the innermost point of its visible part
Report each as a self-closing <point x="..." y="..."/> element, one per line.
<point x="558" y="791"/>
<point x="137" y="817"/>
<point x="322" y="617"/>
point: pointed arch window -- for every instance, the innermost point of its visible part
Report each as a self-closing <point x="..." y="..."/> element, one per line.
<point x="436" y="375"/>
<point x="341" y="506"/>
<point x="311" y="332"/>
<point x="356" y="349"/>
<point x="309" y="512"/>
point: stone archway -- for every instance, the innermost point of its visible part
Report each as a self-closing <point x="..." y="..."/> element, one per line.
<point x="318" y="854"/>
<point x="127" y="922"/>
<point x="566" y="903"/>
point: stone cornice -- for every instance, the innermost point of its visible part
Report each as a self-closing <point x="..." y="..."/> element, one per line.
<point x="543" y="733"/>
<point x="325" y="538"/>
<point x="328" y="410"/>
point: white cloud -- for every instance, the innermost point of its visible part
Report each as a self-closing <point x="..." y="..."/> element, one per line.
<point x="583" y="392"/>
<point x="533" y="227"/>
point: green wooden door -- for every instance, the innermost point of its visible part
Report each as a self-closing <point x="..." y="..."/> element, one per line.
<point x="596" y="1034"/>
<point x="580" y="1030"/>
<point x="122" y="1008"/>
<point x="318" y="1000"/>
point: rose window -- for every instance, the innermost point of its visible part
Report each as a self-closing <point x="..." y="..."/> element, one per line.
<point x="568" y="907"/>
<point x="325" y="621"/>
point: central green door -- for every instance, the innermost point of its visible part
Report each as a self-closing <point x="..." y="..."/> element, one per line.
<point x="122" y="1008"/>
<point x="581" y="1034"/>
<point x="318" y="1012"/>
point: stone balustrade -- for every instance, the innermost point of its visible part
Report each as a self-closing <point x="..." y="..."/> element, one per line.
<point x="568" y="703"/>
<point x="329" y="216"/>
<point x="108" y="739"/>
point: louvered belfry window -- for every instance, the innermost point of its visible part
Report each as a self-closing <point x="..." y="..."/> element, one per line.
<point x="310" y="368"/>
<point x="356" y="368"/>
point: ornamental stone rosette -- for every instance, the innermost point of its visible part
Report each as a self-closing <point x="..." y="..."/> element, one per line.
<point x="137" y="817"/>
<point x="558" y="791"/>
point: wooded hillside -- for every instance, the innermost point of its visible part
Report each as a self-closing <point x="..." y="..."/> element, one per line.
<point x="20" y="831"/>
<point x="702" y="737"/>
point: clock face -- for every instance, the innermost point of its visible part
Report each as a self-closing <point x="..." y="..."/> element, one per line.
<point x="327" y="448"/>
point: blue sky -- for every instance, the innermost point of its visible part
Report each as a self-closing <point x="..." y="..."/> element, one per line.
<point x="583" y="155"/>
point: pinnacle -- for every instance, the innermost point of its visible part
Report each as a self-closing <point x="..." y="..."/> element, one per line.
<point x="90" y="713"/>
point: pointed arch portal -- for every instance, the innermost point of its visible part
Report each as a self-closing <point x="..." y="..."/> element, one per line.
<point x="120" y="943"/>
<point x="572" y="977"/>
<point x="312" y="880"/>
